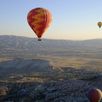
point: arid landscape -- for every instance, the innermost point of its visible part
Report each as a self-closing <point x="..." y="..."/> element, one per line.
<point x="50" y="70"/>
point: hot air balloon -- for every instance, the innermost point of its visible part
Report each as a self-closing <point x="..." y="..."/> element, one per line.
<point x="95" y="95"/>
<point x="99" y="24"/>
<point x="39" y="20"/>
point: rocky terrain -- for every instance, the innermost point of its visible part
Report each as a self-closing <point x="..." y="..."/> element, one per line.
<point x="49" y="71"/>
<point x="36" y="80"/>
<point x="60" y="91"/>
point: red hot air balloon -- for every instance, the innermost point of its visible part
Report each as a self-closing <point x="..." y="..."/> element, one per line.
<point x="95" y="95"/>
<point x="39" y="20"/>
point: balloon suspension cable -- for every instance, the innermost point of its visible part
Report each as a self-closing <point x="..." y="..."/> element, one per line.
<point x="39" y="39"/>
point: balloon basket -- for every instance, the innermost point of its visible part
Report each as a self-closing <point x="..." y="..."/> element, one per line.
<point x="39" y="39"/>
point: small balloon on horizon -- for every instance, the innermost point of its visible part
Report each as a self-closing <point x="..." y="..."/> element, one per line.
<point x="99" y="24"/>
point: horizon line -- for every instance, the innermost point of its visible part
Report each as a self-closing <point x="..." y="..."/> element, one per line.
<point x="51" y="38"/>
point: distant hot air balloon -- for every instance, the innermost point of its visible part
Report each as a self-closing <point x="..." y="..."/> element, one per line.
<point x="99" y="24"/>
<point x="39" y="20"/>
<point x="95" y="95"/>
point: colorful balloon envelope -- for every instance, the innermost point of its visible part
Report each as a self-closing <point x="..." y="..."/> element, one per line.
<point x="99" y="24"/>
<point x="39" y="20"/>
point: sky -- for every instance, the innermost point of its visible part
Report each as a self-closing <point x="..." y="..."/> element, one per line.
<point x="71" y="19"/>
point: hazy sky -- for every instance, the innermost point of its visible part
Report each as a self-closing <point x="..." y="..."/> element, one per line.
<point x="72" y="19"/>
